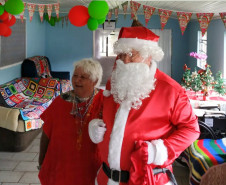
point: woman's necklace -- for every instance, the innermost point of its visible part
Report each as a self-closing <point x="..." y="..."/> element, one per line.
<point x="81" y="113"/>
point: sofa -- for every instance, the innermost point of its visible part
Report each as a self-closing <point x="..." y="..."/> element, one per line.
<point x="22" y="101"/>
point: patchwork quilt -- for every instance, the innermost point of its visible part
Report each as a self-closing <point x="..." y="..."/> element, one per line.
<point x="32" y="96"/>
<point x="202" y="155"/>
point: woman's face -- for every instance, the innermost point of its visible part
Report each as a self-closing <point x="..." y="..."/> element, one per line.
<point x="82" y="84"/>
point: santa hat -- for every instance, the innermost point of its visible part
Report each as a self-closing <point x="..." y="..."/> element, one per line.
<point x="140" y="39"/>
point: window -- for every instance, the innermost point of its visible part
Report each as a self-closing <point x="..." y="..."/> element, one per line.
<point x="13" y="48"/>
<point x="202" y="49"/>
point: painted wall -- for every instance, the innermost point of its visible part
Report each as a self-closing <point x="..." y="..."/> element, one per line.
<point x="35" y="46"/>
<point x="67" y="44"/>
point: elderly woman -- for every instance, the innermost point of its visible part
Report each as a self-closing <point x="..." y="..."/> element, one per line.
<point x="67" y="155"/>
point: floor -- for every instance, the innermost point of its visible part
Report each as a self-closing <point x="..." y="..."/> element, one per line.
<point x="20" y="168"/>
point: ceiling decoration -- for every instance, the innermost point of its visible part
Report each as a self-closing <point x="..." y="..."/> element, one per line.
<point x="215" y="7"/>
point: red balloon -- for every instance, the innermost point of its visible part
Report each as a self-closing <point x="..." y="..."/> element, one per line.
<point x="10" y="22"/>
<point x="8" y="32"/>
<point x="3" y="28"/>
<point x="4" y="16"/>
<point x="79" y="15"/>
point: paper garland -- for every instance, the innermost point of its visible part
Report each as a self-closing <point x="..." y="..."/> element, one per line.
<point x="124" y="7"/>
<point x="31" y="9"/>
<point x="49" y="10"/>
<point x="22" y="13"/>
<point x="57" y="9"/>
<point x="41" y="8"/>
<point x="164" y="16"/>
<point x="109" y="15"/>
<point x="134" y="7"/>
<point x="148" y="12"/>
<point x="183" y="18"/>
<point x="204" y="20"/>
<point x="116" y="14"/>
<point x="223" y="18"/>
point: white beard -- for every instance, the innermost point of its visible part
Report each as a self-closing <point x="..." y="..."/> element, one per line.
<point x="132" y="82"/>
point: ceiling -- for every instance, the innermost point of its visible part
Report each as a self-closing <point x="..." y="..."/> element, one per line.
<point x="176" y="6"/>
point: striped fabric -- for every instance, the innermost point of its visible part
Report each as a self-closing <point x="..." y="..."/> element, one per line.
<point x="203" y="154"/>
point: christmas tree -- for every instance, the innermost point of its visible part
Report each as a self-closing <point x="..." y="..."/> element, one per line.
<point x="196" y="83"/>
<point x="219" y="86"/>
<point x="207" y="79"/>
<point x="186" y="80"/>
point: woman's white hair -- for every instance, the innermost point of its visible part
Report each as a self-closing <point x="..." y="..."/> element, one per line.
<point x="91" y="67"/>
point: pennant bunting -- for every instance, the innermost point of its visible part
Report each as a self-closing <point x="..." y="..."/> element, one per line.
<point x="109" y="15"/>
<point x="66" y="20"/>
<point x="31" y="9"/>
<point x="116" y="13"/>
<point x="134" y="7"/>
<point x="49" y="10"/>
<point x="57" y="9"/>
<point x="183" y="18"/>
<point x="41" y="8"/>
<point x="148" y="12"/>
<point x="164" y="16"/>
<point x="124" y="7"/>
<point x="223" y="17"/>
<point x="204" y="20"/>
<point x="22" y="13"/>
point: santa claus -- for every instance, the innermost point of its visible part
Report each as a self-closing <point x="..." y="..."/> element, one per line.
<point x="147" y="118"/>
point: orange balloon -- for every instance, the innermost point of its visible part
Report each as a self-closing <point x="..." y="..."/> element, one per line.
<point x="78" y="15"/>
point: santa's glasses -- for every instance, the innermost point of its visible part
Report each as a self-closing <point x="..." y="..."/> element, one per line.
<point x="127" y="57"/>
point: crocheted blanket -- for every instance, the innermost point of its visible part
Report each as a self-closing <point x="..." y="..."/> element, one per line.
<point x="32" y="96"/>
<point x="202" y="155"/>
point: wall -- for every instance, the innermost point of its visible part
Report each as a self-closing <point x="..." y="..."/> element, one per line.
<point x="65" y="45"/>
<point x="35" y="46"/>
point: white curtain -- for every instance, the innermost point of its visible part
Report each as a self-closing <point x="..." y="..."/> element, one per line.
<point x="165" y="42"/>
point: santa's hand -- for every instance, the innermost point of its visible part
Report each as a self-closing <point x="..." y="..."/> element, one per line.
<point x="157" y="152"/>
<point x="97" y="130"/>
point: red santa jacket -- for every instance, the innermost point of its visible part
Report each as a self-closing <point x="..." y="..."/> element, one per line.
<point x="166" y="115"/>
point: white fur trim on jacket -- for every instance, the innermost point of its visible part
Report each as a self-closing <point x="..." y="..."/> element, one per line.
<point x="116" y="138"/>
<point x="106" y="93"/>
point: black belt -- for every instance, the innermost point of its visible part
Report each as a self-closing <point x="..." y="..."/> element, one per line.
<point x="123" y="176"/>
<point x="115" y="175"/>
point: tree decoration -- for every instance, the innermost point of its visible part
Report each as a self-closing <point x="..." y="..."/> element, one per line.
<point x="186" y="80"/>
<point x="98" y="9"/>
<point x="196" y="83"/>
<point x="219" y="85"/>
<point x="14" y="7"/>
<point x="79" y="15"/>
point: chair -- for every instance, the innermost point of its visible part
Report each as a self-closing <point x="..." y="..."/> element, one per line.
<point x="39" y="66"/>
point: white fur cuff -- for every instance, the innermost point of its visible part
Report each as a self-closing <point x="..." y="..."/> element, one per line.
<point x="106" y="93"/>
<point x="161" y="152"/>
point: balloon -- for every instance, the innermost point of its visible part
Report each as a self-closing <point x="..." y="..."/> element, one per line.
<point x="101" y="21"/>
<point x="8" y="32"/>
<point x="4" y="16"/>
<point x="3" y="28"/>
<point x="10" y="22"/>
<point x="92" y="24"/>
<point x="78" y="15"/>
<point x="1" y="9"/>
<point x="98" y="9"/>
<point x="14" y="7"/>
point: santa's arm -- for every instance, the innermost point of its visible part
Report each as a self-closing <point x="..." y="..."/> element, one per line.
<point x="165" y="151"/>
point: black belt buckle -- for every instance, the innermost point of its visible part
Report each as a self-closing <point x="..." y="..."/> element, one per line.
<point x="114" y="175"/>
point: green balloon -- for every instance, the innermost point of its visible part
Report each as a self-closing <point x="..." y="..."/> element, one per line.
<point x="98" y="9"/>
<point x="92" y="24"/>
<point x="1" y="10"/>
<point x="14" y="7"/>
<point x="101" y="21"/>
